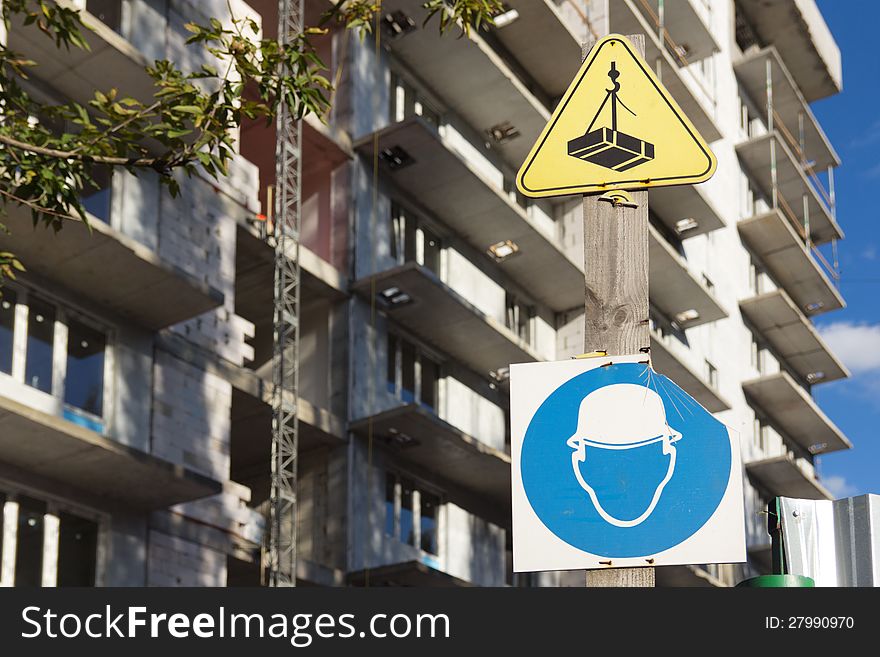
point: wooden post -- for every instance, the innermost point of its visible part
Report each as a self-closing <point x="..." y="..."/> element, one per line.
<point x="616" y="303"/>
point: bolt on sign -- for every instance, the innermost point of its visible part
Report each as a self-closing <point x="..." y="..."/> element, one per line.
<point x="616" y="127"/>
<point x="615" y="466"/>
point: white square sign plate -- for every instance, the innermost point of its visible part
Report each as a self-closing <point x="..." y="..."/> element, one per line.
<point x="614" y="465"/>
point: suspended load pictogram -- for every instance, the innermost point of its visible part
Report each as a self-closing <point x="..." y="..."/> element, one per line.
<point x="609" y="147"/>
<point x="638" y="137"/>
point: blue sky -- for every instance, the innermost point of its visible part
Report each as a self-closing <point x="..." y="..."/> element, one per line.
<point x="852" y="122"/>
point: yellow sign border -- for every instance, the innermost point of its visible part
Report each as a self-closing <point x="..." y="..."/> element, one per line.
<point x="712" y="162"/>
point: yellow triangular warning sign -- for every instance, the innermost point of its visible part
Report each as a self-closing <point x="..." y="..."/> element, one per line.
<point x="615" y="127"/>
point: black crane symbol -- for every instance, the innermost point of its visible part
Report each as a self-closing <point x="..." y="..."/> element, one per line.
<point x="608" y="147"/>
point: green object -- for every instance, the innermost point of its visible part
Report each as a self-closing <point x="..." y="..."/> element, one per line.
<point x="777" y="552"/>
<point x="777" y="581"/>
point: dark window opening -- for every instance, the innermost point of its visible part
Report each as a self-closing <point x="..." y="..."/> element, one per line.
<point x="431" y="251"/>
<point x="407" y="527"/>
<point x="40" y="338"/>
<point x="430" y="377"/>
<point x="96" y="198"/>
<point x="84" y="386"/>
<point x="7" y="330"/>
<point x="390" y="482"/>
<point x="77" y="551"/>
<point x="29" y="548"/>
<point x="391" y="372"/>
<point x="408" y="372"/>
<point x="745" y="34"/>
<point x="108" y="12"/>
<point x="428" y="505"/>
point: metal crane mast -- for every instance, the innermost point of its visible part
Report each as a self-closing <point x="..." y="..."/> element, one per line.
<point x="285" y="356"/>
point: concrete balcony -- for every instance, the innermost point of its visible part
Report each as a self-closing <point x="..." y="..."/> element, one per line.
<point x="665" y="360"/>
<point x="791" y="335"/>
<point x="676" y="206"/>
<point x="251" y="415"/>
<point x="551" y="60"/>
<point x="687" y="25"/>
<point x="796" y="194"/>
<point x="323" y="145"/>
<point x="473" y="80"/>
<point x="47" y="451"/>
<point x="251" y="436"/>
<point x="408" y="573"/>
<point x="799" y="32"/>
<point x="794" y="411"/>
<point x="110" y="63"/>
<point x="782" y="476"/>
<point x="789" y="106"/>
<point x="416" y="435"/>
<point x="456" y="192"/>
<point x="255" y="276"/>
<point x="626" y="18"/>
<point x="444" y="319"/>
<point x="776" y="241"/>
<point x="111" y="269"/>
<point x="252" y="401"/>
<point x="676" y="292"/>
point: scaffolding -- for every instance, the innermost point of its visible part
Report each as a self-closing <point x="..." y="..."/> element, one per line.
<point x="285" y="357"/>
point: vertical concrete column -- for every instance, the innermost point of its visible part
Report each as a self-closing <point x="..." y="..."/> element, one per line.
<point x="10" y="539"/>
<point x="19" y="339"/>
<point x="59" y="358"/>
<point x="51" y="533"/>
<point x="417" y="519"/>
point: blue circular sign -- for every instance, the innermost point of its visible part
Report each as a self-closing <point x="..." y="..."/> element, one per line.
<point x="629" y="502"/>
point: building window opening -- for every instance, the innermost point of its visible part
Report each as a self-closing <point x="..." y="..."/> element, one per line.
<point x="390" y="501"/>
<point x="40" y="339"/>
<point x="407" y="524"/>
<point x="84" y="385"/>
<point x="418" y="374"/>
<point x="391" y="375"/>
<point x="29" y="547"/>
<point x="711" y="375"/>
<point x="757" y="355"/>
<point x="428" y="522"/>
<point x="412" y="515"/>
<point x="430" y="251"/>
<point x="108" y="12"/>
<point x="412" y="241"/>
<point x="77" y="550"/>
<point x="407" y="372"/>
<point x="96" y="198"/>
<point x="7" y="330"/>
<point x="761" y="429"/>
<point x="406" y="101"/>
<point x="430" y="376"/>
<point x="519" y="318"/>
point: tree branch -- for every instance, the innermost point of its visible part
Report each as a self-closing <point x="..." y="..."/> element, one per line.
<point x="119" y="126"/>
<point x="151" y="162"/>
<point x="38" y="208"/>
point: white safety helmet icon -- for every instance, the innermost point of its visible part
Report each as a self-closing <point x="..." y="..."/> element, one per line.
<point x="616" y="417"/>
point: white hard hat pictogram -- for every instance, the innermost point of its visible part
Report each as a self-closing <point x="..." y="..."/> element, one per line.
<point x="622" y="416"/>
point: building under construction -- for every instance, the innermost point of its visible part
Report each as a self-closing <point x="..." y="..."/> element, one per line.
<point x="139" y="388"/>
